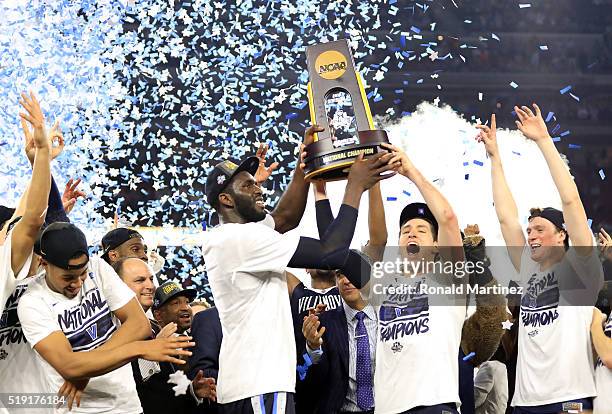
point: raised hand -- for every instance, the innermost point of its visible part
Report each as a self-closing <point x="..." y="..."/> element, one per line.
<point x="488" y="136"/>
<point x="204" y="387"/>
<point x="400" y="160"/>
<point x="367" y="172"/>
<point x="56" y="141"/>
<point x="309" y="138"/>
<point x="605" y="244"/>
<point x="598" y="318"/>
<point x="263" y="172"/>
<point x="311" y="331"/>
<point x="167" y="331"/>
<point x="36" y="118"/>
<point x="71" y="194"/>
<point x="72" y="390"/>
<point x="530" y="124"/>
<point x="167" y="349"/>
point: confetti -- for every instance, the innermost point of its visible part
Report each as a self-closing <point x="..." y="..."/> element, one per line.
<point x="566" y="89"/>
<point x="514" y="85"/>
<point x="602" y="174"/>
<point x="524" y="5"/>
<point x="543" y="47"/>
<point x="181" y="382"/>
<point x="507" y="325"/>
<point x="391" y="198"/>
<point x="469" y="356"/>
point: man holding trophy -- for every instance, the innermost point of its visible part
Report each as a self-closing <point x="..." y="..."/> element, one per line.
<point x="247" y="254"/>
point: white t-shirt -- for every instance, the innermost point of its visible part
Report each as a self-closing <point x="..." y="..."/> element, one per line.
<point x="246" y="270"/>
<point x="417" y="349"/>
<point x="8" y="280"/>
<point x="555" y="361"/>
<point x="88" y="322"/>
<point x="603" y="380"/>
<point x="19" y="369"/>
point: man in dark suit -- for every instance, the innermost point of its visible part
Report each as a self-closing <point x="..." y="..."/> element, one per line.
<point x="342" y="346"/>
<point x="155" y="393"/>
<point x="207" y="334"/>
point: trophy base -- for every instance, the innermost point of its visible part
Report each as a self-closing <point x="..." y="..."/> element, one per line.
<point x="332" y="164"/>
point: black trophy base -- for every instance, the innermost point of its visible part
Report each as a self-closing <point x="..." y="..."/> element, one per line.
<point x="326" y="163"/>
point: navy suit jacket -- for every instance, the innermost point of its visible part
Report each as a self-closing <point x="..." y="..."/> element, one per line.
<point x="207" y="334"/>
<point x="332" y="371"/>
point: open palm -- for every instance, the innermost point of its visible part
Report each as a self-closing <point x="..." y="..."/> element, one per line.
<point x="531" y="124"/>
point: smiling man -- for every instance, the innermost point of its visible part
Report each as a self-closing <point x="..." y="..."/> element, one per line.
<point x="123" y="242"/>
<point x="138" y="275"/>
<point x="85" y="325"/>
<point x="554" y="370"/>
<point x="246" y="257"/>
<point x="171" y="304"/>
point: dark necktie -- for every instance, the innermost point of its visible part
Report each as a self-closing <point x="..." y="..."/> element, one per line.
<point x="365" y="396"/>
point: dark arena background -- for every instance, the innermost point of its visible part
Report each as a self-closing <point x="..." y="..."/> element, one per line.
<point x="150" y="94"/>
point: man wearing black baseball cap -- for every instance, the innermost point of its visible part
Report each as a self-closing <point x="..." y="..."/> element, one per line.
<point x="123" y="242"/>
<point x="246" y="257"/>
<point x="171" y="304"/>
<point x="554" y="369"/>
<point x="415" y="335"/>
<point x="75" y="306"/>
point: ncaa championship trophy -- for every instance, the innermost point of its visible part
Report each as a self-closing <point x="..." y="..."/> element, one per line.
<point x="339" y="104"/>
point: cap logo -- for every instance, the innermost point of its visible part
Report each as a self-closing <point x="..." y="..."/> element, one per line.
<point x="170" y="288"/>
<point x="231" y="165"/>
<point x="422" y="211"/>
<point x="221" y="179"/>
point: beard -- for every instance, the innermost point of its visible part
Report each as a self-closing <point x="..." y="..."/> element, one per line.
<point x="246" y="208"/>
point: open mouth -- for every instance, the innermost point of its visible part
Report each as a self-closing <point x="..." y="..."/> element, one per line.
<point x="184" y="316"/>
<point x="413" y="248"/>
<point x="534" y="247"/>
<point x="259" y="202"/>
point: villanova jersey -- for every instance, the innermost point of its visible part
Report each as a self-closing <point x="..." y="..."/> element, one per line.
<point x="304" y="298"/>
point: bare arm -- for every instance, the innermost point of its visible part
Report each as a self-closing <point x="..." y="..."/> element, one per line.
<point x="449" y="234"/>
<point x="56" y="350"/>
<point x="602" y="344"/>
<point x="291" y="206"/>
<point x="377" y="224"/>
<point x="292" y="282"/>
<point x="27" y="228"/>
<point x="534" y="128"/>
<point x="134" y="326"/>
<point x="505" y="206"/>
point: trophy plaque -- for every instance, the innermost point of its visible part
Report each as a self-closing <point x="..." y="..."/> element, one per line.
<point x="338" y="103"/>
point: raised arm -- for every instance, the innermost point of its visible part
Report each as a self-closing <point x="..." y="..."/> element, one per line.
<point x="534" y="128"/>
<point x="291" y="206"/>
<point x="134" y="326"/>
<point x="601" y="343"/>
<point x="505" y="206"/>
<point x="332" y="250"/>
<point x="449" y="234"/>
<point x="26" y="230"/>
